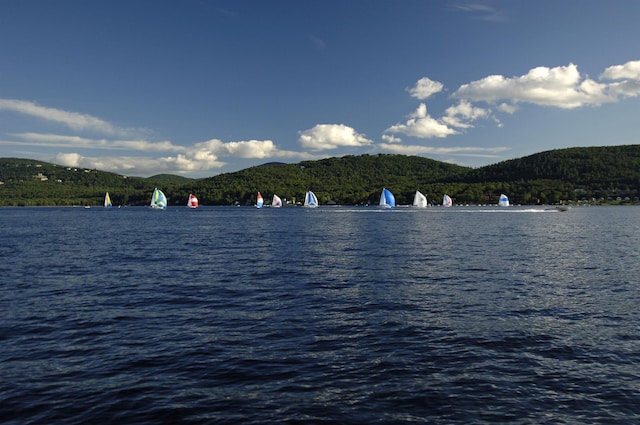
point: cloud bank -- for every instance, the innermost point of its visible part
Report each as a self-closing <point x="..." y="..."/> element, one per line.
<point x="560" y="87"/>
<point x="92" y="142"/>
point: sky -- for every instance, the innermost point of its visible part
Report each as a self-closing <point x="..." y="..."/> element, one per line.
<point x="203" y="87"/>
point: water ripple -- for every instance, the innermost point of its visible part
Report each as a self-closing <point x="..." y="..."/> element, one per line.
<point x="360" y="316"/>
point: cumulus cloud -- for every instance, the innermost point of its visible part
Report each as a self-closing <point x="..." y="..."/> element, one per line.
<point x="562" y="87"/>
<point x="425" y="87"/>
<point x="242" y="149"/>
<point x="421" y="125"/>
<point x="626" y="79"/>
<point x="391" y="138"/>
<point x="462" y="114"/>
<point x="629" y="70"/>
<point x="70" y="159"/>
<point x="331" y="136"/>
<point x="258" y="149"/>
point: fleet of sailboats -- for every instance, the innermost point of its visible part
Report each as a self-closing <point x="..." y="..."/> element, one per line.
<point x="192" y="202"/>
<point x="419" y="200"/>
<point x="387" y="199"/>
<point x="158" y="200"/>
<point x="310" y="200"/>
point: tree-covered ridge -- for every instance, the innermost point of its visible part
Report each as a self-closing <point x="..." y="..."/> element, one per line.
<point x="591" y="174"/>
<point x="595" y="167"/>
<point x="566" y="175"/>
<point x="345" y="180"/>
<point x="31" y="182"/>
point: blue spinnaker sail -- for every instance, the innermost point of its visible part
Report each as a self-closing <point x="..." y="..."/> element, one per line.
<point x="310" y="200"/>
<point x="387" y="199"/>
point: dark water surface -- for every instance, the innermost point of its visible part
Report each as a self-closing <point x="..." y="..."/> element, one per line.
<point x="335" y="315"/>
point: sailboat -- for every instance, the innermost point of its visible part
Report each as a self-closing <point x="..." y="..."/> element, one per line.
<point x="259" y="201"/>
<point x="192" y="202"/>
<point x="276" y="202"/>
<point x="446" y="201"/>
<point x="158" y="200"/>
<point x="419" y="200"/>
<point x="107" y="201"/>
<point x="504" y="201"/>
<point x="310" y="200"/>
<point x="387" y="199"/>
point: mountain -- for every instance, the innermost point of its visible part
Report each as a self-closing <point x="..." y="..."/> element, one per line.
<point x="593" y="174"/>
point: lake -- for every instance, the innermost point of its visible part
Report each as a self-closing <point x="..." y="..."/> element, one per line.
<point x="334" y="315"/>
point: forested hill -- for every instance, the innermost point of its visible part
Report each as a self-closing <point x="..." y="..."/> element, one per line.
<point x="345" y="180"/>
<point x="601" y="168"/>
<point x="594" y="174"/>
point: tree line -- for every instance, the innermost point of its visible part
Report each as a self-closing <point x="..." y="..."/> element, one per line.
<point x="593" y="174"/>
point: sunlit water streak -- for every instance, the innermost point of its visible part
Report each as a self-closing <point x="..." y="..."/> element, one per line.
<point x="331" y="315"/>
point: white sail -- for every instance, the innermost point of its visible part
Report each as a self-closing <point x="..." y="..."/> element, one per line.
<point x="504" y="201"/>
<point x="310" y="200"/>
<point x="158" y="200"/>
<point x="387" y="199"/>
<point x="276" y="202"/>
<point x="107" y="201"/>
<point x="446" y="201"/>
<point x="419" y="200"/>
<point x="259" y="201"/>
<point x="192" y="202"/>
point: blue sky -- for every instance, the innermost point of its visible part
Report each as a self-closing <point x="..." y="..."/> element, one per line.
<point x="202" y="87"/>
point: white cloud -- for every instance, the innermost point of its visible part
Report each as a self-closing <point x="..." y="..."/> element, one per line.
<point x="58" y="140"/>
<point x="629" y="70"/>
<point x="626" y="79"/>
<point x="425" y="87"/>
<point x="73" y="120"/>
<point x="391" y="139"/>
<point x="462" y="114"/>
<point x="562" y="87"/>
<point x="331" y="136"/>
<point x="258" y="149"/>
<point x="69" y="159"/>
<point x="507" y="108"/>
<point x="242" y="149"/>
<point x="471" y="151"/>
<point x="140" y="165"/>
<point x="420" y="124"/>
